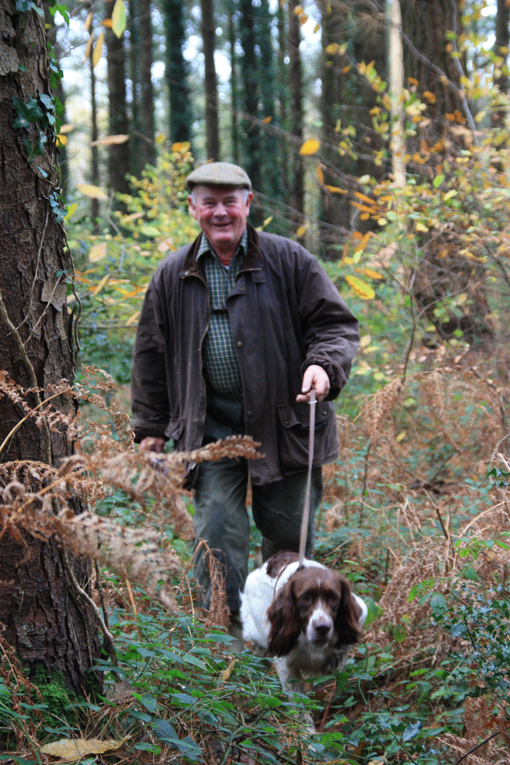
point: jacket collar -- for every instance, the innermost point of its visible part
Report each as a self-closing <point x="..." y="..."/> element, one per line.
<point x="252" y="259"/>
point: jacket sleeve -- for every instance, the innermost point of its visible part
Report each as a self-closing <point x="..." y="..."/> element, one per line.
<point x="330" y="330"/>
<point x="149" y="396"/>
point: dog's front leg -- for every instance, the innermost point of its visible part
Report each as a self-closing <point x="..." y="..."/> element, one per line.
<point x="291" y="680"/>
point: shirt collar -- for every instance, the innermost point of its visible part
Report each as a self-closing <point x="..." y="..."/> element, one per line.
<point x="205" y="245"/>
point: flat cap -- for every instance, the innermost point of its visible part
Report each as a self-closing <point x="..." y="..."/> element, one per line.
<point x="218" y="174"/>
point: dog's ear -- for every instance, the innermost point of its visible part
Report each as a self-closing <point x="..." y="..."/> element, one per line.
<point x="347" y="618"/>
<point x="284" y="620"/>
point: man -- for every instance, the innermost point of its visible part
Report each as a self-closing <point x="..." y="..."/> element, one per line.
<point x="235" y="331"/>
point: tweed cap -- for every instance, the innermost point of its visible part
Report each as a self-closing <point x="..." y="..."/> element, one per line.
<point x="218" y="174"/>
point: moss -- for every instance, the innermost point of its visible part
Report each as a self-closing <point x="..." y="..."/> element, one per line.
<point x="54" y="691"/>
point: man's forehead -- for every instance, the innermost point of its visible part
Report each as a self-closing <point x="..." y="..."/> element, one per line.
<point x="204" y="190"/>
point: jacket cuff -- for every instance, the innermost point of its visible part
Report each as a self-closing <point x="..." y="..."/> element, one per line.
<point x="148" y="428"/>
<point x="336" y="384"/>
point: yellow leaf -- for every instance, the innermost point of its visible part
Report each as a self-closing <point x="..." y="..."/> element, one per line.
<point x="62" y="139"/>
<point x="160" y="138"/>
<point x="132" y="319"/>
<point x="316" y="28"/>
<point x="133" y="216"/>
<point x="93" y="192"/>
<point x="98" y="49"/>
<point x="479" y="117"/>
<point x="111" y="140"/>
<point x="361" y="246"/>
<point x="400" y="436"/>
<point x="310" y="147"/>
<point x="336" y="190"/>
<point x="301" y="231"/>
<point x="360" y="288"/>
<point x="298" y="10"/>
<point x="73" y="749"/>
<point x="88" y="21"/>
<point x="365" y="341"/>
<point x="100" y="286"/>
<point x="320" y="174"/>
<point x="89" y="45"/>
<point x="267" y="120"/>
<point x="97" y="252"/>
<point x="421" y="227"/>
<point x="166" y="245"/>
<point x="227" y="673"/>
<point x="370" y="273"/>
<point x="108" y="23"/>
<point x="66" y="129"/>
<point x="331" y="49"/>
<point x="118" y="18"/>
<point x="267" y="221"/>
<point x="364" y="197"/>
<point x="71" y="209"/>
<point x="184" y="146"/>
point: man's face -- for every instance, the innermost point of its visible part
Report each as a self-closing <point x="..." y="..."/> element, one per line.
<point x="221" y="212"/>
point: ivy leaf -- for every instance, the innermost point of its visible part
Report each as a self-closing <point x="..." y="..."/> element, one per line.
<point x="411" y="731"/>
<point x="21" y="122"/>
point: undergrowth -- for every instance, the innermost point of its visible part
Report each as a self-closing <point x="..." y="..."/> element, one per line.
<point x="410" y="515"/>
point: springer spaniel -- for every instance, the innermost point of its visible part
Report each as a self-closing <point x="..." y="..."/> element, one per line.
<point x="307" y="618"/>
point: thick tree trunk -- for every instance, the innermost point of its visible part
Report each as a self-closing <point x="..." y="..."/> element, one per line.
<point x="176" y="71"/>
<point x="118" y="116"/>
<point x="210" y="81"/>
<point x="94" y="166"/>
<point x="148" y="145"/>
<point x="296" y="126"/>
<point x="41" y="618"/>
<point x="283" y="99"/>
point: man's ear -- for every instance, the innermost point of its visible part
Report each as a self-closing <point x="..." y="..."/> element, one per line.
<point x="192" y="207"/>
<point x="249" y="199"/>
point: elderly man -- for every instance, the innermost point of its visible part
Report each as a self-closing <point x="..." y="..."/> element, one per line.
<point x="236" y="329"/>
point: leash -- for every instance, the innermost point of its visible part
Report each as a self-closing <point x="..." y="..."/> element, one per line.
<point x="306" y="508"/>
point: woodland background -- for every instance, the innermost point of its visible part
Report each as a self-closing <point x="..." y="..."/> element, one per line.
<point x="376" y="134"/>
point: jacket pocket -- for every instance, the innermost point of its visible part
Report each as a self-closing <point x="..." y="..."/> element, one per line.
<point x="294" y="430"/>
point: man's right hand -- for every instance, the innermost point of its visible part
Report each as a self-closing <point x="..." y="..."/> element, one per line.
<point x="152" y="444"/>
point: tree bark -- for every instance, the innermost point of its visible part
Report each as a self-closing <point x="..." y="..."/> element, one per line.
<point x="250" y="78"/>
<point x="269" y="91"/>
<point x="210" y="81"/>
<point x="233" y="84"/>
<point x="296" y="110"/>
<point x="283" y="99"/>
<point x="176" y="72"/>
<point x="148" y="130"/>
<point x="135" y="153"/>
<point x="118" y="116"/>
<point x="41" y="618"/>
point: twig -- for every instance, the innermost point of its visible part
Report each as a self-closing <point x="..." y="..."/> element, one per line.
<point x="31" y="373"/>
<point x="36" y="270"/>
<point x="109" y="643"/>
<point x="101" y="594"/>
<point x="476" y="747"/>
<point x="326" y="710"/>
<point x="365" y="474"/>
<point x="20" y="423"/>
<point x="445" y="532"/>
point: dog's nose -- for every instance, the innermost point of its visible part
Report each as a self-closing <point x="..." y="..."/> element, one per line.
<point x="322" y="629"/>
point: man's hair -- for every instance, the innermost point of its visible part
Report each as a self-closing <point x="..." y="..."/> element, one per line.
<point x="240" y="188"/>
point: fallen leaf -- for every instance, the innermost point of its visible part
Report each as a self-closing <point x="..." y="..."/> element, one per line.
<point x="73" y="749"/>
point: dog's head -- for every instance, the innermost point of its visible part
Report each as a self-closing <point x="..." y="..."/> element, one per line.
<point x="317" y="603"/>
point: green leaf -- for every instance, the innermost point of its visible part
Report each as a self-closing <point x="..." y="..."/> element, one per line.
<point x="118" y="18"/>
<point x="438" y="180"/>
<point x="438" y="603"/>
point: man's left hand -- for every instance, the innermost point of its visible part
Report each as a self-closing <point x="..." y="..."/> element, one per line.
<point x="315" y="377"/>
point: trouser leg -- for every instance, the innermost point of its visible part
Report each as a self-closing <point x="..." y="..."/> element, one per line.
<point x="278" y="508"/>
<point x="221" y="519"/>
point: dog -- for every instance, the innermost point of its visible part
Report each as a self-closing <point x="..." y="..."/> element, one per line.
<point x="308" y="618"/>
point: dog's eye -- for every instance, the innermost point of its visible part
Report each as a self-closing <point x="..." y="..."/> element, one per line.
<point x="305" y="599"/>
<point x="333" y="601"/>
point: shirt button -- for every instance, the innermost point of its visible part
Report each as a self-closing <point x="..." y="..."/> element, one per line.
<point x="239" y="344"/>
<point x="241" y="288"/>
<point x="195" y="420"/>
<point x="248" y="414"/>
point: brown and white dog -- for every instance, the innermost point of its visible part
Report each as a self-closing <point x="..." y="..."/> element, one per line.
<point x="307" y="618"/>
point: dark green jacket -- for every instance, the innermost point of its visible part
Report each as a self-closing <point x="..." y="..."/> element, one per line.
<point x="285" y="314"/>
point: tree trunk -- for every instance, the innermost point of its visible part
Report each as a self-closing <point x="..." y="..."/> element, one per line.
<point x="250" y="77"/>
<point x="148" y="144"/>
<point x="271" y="184"/>
<point x="176" y="71"/>
<point x="135" y="153"/>
<point x="210" y="82"/>
<point x="118" y="116"/>
<point x="283" y="100"/>
<point x="94" y="164"/>
<point x="296" y="126"/>
<point x="233" y="83"/>
<point x="41" y="618"/>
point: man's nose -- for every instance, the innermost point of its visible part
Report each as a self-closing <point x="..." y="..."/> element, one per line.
<point x="220" y="210"/>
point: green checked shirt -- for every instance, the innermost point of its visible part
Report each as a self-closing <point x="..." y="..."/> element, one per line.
<point x="219" y="358"/>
